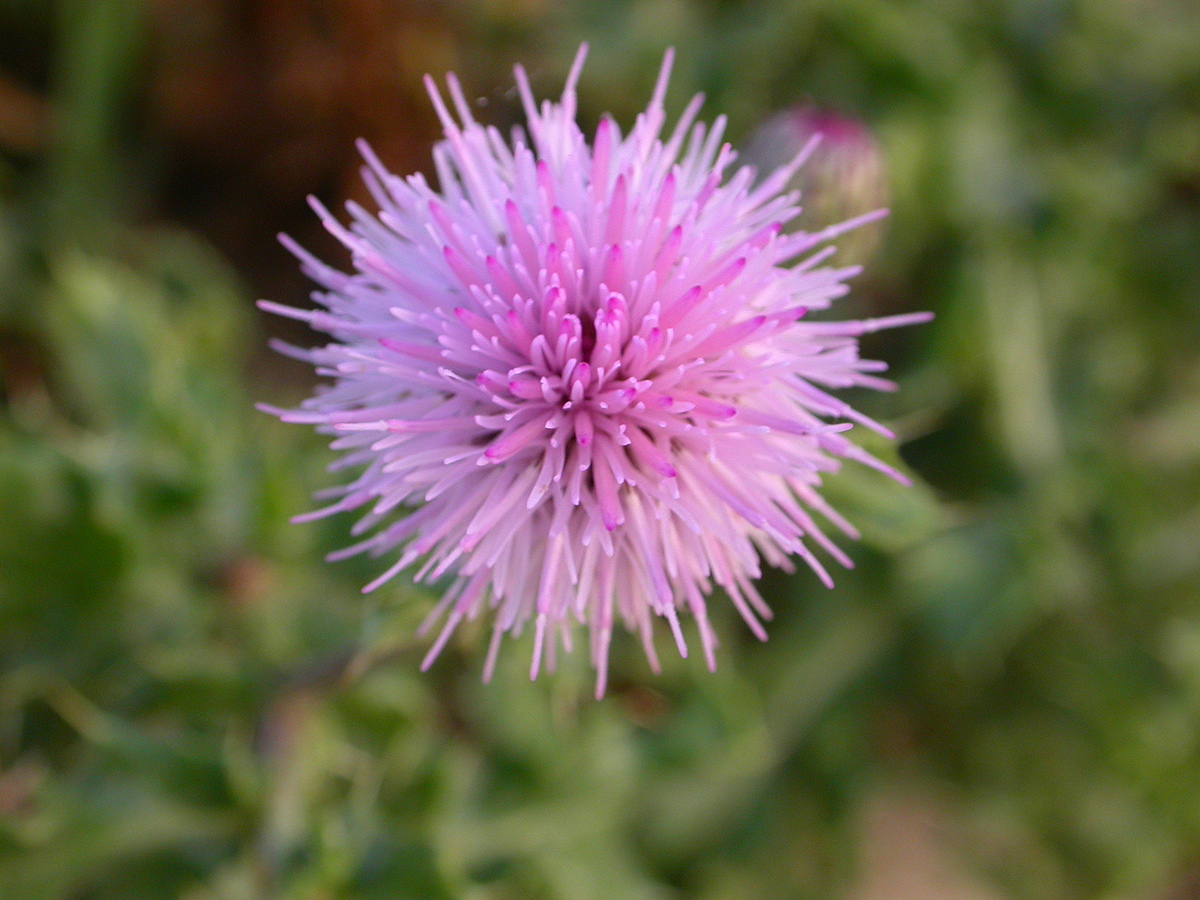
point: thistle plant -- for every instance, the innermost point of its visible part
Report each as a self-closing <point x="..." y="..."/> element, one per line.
<point x="580" y="379"/>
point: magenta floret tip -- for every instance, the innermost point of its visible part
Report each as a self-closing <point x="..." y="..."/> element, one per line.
<point x="581" y="381"/>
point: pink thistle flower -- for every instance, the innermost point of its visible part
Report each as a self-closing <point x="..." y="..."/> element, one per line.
<point x="581" y="380"/>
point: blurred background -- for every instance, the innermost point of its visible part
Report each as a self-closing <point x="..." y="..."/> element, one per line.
<point x="1001" y="701"/>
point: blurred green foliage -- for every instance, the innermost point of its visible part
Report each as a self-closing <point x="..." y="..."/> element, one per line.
<point x="194" y="705"/>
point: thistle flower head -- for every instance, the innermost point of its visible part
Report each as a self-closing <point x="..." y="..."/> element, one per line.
<point x="578" y="378"/>
<point x="843" y="177"/>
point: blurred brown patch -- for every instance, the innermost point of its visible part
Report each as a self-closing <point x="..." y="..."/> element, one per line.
<point x="1188" y="888"/>
<point x="19" y="785"/>
<point x="24" y="118"/>
<point x="22" y="366"/>
<point x="257" y="103"/>
<point x="910" y="852"/>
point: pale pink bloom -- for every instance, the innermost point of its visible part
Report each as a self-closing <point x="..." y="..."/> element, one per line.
<point x="580" y="379"/>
